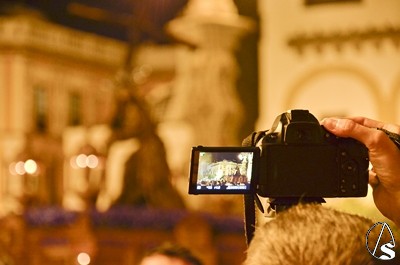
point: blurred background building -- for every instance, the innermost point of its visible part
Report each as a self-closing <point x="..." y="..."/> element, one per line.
<point x="77" y="76"/>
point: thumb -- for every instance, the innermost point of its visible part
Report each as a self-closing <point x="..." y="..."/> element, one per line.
<point x="347" y="128"/>
<point x="372" y="138"/>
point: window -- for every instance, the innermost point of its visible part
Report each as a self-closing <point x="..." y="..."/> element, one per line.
<point x="40" y="109"/>
<point x="75" y="102"/>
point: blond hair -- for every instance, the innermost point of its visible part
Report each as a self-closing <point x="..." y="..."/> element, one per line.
<point x="313" y="235"/>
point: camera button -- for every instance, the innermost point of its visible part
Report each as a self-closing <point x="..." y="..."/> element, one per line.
<point x="349" y="167"/>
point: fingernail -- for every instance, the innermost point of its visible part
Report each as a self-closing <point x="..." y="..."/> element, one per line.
<point x="330" y="123"/>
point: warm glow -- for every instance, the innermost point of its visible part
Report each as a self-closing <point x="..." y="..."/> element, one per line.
<point x="84" y="161"/>
<point x="92" y="161"/>
<point x="12" y="168"/>
<point x="83" y="258"/>
<point x="20" y="168"/>
<point x="72" y="162"/>
<point x="30" y="166"/>
<point x="81" y="160"/>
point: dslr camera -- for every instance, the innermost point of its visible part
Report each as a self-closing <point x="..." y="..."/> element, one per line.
<point x="296" y="158"/>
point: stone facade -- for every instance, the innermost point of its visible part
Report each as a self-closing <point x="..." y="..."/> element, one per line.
<point x="338" y="58"/>
<point x="51" y="78"/>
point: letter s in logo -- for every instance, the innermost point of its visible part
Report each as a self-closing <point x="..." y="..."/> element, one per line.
<point x="386" y="248"/>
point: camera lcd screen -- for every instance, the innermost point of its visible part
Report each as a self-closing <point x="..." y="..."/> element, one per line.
<point x="223" y="170"/>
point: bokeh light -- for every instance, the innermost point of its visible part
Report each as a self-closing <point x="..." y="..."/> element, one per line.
<point x="30" y="166"/>
<point x="83" y="258"/>
<point x="84" y="161"/>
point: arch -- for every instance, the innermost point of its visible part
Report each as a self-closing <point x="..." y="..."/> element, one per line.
<point x="350" y="73"/>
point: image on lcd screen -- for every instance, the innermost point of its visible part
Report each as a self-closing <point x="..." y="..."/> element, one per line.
<point x="224" y="171"/>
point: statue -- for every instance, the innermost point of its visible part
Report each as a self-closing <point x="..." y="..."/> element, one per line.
<point x="136" y="158"/>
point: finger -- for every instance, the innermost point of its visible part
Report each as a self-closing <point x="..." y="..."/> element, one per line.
<point x="350" y="128"/>
<point x="376" y="124"/>
<point x="375" y="140"/>
<point x="367" y="122"/>
<point x="373" y="179"/>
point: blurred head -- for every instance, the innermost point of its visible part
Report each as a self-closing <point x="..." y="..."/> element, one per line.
<point x="312" y="234"/>
<point x="160" y="259"/>
<point x="168" y="254"/>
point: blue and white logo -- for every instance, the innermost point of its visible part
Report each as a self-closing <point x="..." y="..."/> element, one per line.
<point x="376" y="246"/>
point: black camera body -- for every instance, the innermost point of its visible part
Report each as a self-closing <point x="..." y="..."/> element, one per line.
<point x="296" y="158"/>
<point x="299" y="158"/>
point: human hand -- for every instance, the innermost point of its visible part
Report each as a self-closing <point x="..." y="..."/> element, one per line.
<point x="384" y="156"/>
